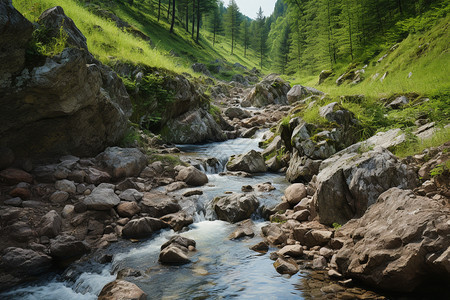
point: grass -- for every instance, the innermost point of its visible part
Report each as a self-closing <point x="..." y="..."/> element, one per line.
<point x="415" y="146"/>
<point x="424" y="54"/>
<point x="104" y="39"/>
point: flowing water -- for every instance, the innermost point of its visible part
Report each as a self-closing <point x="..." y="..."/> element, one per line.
<point x="220" y="268"/>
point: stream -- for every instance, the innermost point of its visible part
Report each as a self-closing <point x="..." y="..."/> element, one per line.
<point x="220" y="268"/>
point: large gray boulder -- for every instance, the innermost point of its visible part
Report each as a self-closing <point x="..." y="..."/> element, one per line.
<point x="158" y="204"/>
<point x="16" y="33"/>
<point x="192" y="127"/>
<point x="66" y="246"/>
<point x="401" y="242"/>
<point x="142" y="227"/>
<point x="101" y="198"/>
<point x="54" y="18"/>
<point x="271" y="90"/>
<point x="69" y="104"/>
<point x="236" y="207"/>
<point x="192" y="176"/>
<point x="26" y="261"/>
<point x="122" y="162"/>
<point x="347" y="187"/>
<point x="121" y="289"/>
<point x="299" y="92"/>
<point x="250" y="162"/>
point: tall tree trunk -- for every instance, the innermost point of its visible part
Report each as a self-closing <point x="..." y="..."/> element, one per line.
<point x="350" y="36"/>
<point x="193" y="18"/>
<point x="159" y="9"/>
<point x="168" y="11"/>
<point x="214" y="32"/>
<point x="198" y="20"/>
<point x="187" y="16"/>
<point x="173" y="16"/>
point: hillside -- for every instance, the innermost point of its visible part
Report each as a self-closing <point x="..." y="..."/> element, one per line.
<point x="177" y="149"/>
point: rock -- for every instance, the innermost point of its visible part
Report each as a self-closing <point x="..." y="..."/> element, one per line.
<point x="126" y="184"/>
<point x="192" y="127"/>
<point x="401" y="238"/>
<point x="68" y="211"/>
<point x="324" y="75"/>
<point x="175" y="251"/>
<point x="15" y="176"/>
<point x="295" y="193"/>
<point x="399" y="102"/>
<point x="101" y="199"/>
<point x="173" y="255"/>
<point x="13" y="202"/>
<point x="122" y="162"/>
<point x="192" y="176"/>
<point x="251" y="162"/>
<point x="142" y="227"/>
<point x="334" y="274"/>
<point x="286" y="266"/>
<point x="50" y="224"/>
<point x="244" y="229"/>
<point x="95" y="176"/>
<point x="237" y="112"/>
<point x="21" y="231"/>
<point x="274" y="234"/>
<point x="54" y="18"/>
<point x="16" y="33"/>
<point x="81" y="89"/>
<point x="301" y="215"/>
<point x="123" y="290"/>
<point x="201" y="68"/>
<point x="128" y="209"/>
<point x="319" y="263"/>
<point x="299" y="92"/>
<point x="193" y="193"/>
<point x="249" y="133"/>
<point x="66" y="246"/>
<point x="271" y="90"/>
<point x="261" y="247"/>
<point x="178" y="221"/>
<point x="66" y="186"/>
<point x="236" y="207"/>
<point x="159" y="204"/>
<point x="302" y="168"/>
<point x="175" y="186"/>
<point x="26" y="261"/>
<point x="131" y="195"/>
<point x="347" y="187"/>
<point x="294" y="251"/>
<point x="21" y="192"/>
<point x="325" y="252"/>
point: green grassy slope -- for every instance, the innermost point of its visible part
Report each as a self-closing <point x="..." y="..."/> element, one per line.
<point x="425" y="54"/>
<point x="175" y="52"/>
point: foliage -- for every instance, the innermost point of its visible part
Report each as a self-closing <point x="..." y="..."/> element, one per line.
<point x="43" y="44"/>
<point x="417" y="146"/>
<point x="336" y="226"/>
<point x="150" y="99"/>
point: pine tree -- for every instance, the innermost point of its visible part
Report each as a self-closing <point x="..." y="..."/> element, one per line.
<point x="215" y="22"/>
<point x="232" y="22"/>
<point x="172" y="24"/>
<point x="245" y="30"/>
<point x="261" y="35"/>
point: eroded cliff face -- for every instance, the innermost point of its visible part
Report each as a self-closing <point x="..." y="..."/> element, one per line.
<point x="68" y="103"/>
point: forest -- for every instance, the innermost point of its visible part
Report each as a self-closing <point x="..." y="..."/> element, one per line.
<point x="307" y="36"/>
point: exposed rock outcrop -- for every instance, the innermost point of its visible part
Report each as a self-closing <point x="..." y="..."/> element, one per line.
<point x="193" y="127"/>
<point x="271" y="90"/>
<point x="402" y="238"/>
<point x="299" y="92"/>
<point x="63" y="106"/>
<point x="347" y="187"/>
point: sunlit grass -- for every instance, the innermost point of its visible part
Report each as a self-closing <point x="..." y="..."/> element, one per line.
<point x="104" y="39"/>
<point x="417" y="146"/>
